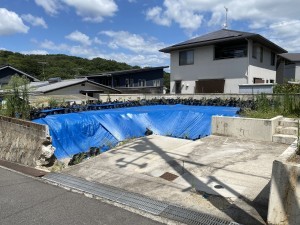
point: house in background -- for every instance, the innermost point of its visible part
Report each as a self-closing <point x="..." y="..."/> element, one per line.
<point x="146" y="80"/>
<point x="288" y="68"/>
<point x="7" y="71"/>
<point x="56" y="86"/>
<point x="220" y="61"/>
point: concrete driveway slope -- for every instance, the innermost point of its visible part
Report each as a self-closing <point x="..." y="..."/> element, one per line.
<point x="226" y="177"/>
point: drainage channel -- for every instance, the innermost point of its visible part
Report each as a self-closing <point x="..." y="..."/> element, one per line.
<point x="136" y="201"/>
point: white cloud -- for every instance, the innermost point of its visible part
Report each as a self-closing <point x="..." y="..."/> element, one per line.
<point x="89" y="10"/>
<point x="79" y="37"/>
<point x="155" y="14"/>
<point x="82" y="51"/>
<point x="286" y="34"/>
<point x="189" y="14"/>
<point x="11" y="23"/>
<point x="93" y="10"/>
<point x="34" y="21"/>
<point x="142" y="51"/>
<point x="177" y="11"/>
<point x="134" y="58"/>
<point x="132" y="42"/>
<point x="289" y="28"/>
<point x="35" y="52"/>
<point x="98" y="41"/>
<point x="50" y="6"/>
<point x="278" y="20"/>
<point x="50" y="45"/>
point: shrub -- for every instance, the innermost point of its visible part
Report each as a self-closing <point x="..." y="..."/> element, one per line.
<point x="286" y="88"/>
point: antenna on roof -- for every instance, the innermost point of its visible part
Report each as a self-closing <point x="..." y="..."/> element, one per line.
<point x="226" y="22"/>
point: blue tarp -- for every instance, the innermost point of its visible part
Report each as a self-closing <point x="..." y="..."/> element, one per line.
<point x="77" y="132"/>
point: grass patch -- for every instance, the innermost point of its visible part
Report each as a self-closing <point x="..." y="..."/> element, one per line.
<point x="287" y="105"/>
<point x="57" y="166"/>
<point x="259" y="114"/>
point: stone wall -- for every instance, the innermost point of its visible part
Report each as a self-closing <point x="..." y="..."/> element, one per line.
<point x="24" y="142"/>
<point x="126" y="97"/>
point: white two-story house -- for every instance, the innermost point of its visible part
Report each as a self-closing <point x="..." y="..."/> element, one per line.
<point x="220" y="61"/>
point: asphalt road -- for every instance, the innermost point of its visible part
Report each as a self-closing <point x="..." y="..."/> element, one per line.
<point x="28" y="201"/>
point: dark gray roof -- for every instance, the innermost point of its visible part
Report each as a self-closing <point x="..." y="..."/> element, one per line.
<point x="219" y="36"/>
<point x="293" y="57"/>
<point x="120" y="72"/>
<point x="19" y="71"/>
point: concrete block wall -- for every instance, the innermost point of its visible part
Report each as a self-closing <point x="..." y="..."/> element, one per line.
<point x="24" y="142"/>
<point x="284" y="201"/>
<point x="246" y="128"/>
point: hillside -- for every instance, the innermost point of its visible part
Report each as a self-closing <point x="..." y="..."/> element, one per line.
<point x="59" y="65"/>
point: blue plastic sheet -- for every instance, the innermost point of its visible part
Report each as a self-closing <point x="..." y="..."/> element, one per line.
<point x="77" y="132"/>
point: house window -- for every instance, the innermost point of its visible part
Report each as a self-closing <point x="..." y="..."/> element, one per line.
<point x="258" y="80"/>
<point x="126" y="82"/>
<point x="227" y="51"/>
<point x="142" y="83"/>
<point x="156" y="83"/>
<point x="272" y="59"/>
<point x="261" y="58"/>
<point x="272" y="81"/>
<point x="186" y="57"/>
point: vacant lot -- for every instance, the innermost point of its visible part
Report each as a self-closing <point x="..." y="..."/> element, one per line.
<point x="223" y="176"/>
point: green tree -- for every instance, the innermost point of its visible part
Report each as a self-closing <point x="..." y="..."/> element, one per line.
<point x="167" y="80"/>
<point x="16" y="97"/>
<point x="59" y="65"/>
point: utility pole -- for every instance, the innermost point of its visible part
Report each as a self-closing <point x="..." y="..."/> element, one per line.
<point x="43" y="64"/>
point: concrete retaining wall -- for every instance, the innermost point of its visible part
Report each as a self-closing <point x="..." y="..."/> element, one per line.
<point x="24" y="142"/>
<point x="247" y="128"/>
<point x="284" y="201"/>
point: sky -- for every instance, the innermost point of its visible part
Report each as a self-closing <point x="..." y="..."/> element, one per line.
<point x="133" y="31"/>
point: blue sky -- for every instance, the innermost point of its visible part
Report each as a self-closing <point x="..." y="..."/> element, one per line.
<point x="133" y="31"/>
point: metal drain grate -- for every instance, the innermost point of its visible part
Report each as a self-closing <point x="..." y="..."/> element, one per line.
<point x="110" y="193"/>
<point x="142" y="203"/>
<point x="169" y="176"/>
<point x="191" y="217"/>
<point x="136" y="201"/>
